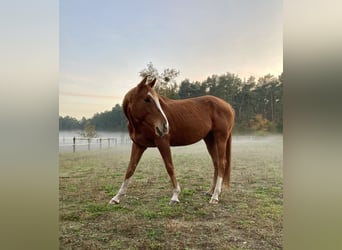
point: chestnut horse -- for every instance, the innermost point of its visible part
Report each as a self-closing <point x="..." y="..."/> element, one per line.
<point x="156" y="121"/>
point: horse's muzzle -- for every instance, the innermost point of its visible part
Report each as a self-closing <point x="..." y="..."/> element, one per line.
<point x="162" y="130"/>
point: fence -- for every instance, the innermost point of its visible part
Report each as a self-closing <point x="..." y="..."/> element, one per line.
<point x="81" y="143"/>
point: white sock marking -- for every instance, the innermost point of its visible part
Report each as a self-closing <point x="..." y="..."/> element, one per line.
<point x="122" y="191"/>
<point x="217" y="191"/>
<point x="175" y="194"/>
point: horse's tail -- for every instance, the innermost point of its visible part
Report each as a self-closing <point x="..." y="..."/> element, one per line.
<point x="228" y="169"/>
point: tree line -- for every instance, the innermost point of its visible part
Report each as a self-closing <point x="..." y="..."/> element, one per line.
<point x="258" y="103"/>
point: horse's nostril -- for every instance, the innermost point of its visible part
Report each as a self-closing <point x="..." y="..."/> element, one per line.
<point x="162" y="130"/>
<point x="159" y="132"/>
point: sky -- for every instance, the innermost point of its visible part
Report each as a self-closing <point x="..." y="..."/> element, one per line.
<point x="105" y="44"/>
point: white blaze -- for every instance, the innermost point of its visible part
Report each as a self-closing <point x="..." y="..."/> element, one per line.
<point x="156" y="101"/>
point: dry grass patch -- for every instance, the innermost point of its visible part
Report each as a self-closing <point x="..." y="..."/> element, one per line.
<point x="249" y="216"/>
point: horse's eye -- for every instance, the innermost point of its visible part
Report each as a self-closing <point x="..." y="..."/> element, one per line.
<point x="147" y="99"/>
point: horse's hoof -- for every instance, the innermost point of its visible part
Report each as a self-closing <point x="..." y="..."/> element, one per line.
<point x="173" y="202"/>
<point x="113" y="202"/>
<point x="213" y="201"/>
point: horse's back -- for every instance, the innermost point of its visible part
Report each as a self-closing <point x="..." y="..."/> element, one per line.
<point x="212" y="106"/>
<point x="217" y="103"/>
<point x="192" y="119"/>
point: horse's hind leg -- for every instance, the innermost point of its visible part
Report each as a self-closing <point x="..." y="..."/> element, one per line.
<point x="221" y="141"/>
<point x="136" y="154"/>
<point x="211" y="147"/>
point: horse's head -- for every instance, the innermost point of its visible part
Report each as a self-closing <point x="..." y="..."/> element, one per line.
<point x="142" y="108"/>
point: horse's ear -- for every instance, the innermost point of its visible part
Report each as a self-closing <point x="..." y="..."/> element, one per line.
<point x="151" y="84"/>
<point x="142" y="83"/>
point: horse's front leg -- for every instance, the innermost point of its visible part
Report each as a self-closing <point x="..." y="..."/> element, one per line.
<point x="136" y="154"/>
<point x="165" y="151"/>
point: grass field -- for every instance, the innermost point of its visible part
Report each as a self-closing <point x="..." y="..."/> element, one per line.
<point x="249" y="215"/>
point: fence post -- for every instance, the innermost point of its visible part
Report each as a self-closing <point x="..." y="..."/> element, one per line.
<point x="74" y="144"/>
<point x="88" y="143"/>
<point x="100" y="143"/>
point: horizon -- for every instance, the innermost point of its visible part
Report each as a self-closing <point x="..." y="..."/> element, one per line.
<point x="121" y="98"/>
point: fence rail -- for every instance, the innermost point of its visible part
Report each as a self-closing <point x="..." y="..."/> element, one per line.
<point x="91" y="143"/>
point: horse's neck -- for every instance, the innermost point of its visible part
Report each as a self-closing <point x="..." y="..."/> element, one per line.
<point x="170" y="108"/>
<point x="164" y="99"/>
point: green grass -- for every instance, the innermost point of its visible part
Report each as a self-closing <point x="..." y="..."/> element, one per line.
<point x="249" y="215"/>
